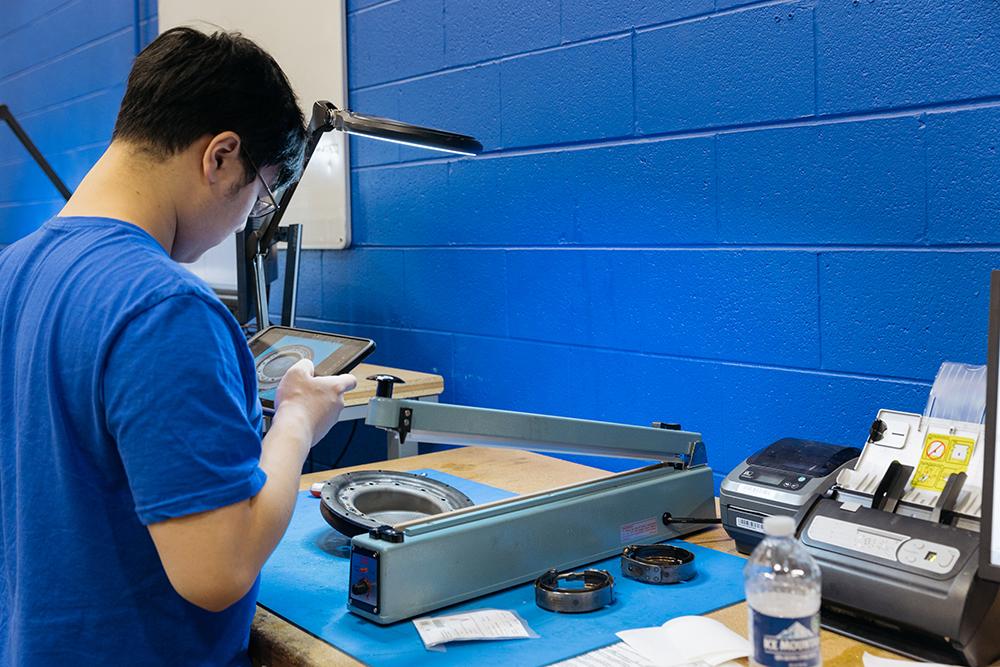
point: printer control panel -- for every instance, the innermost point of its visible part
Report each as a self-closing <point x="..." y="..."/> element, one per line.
<point x="776" y="478"/>
<point x="918" y="553"/>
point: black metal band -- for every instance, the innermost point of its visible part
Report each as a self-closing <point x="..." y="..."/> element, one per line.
<point x="657" y="563"/>
<point x="598" y="591"/>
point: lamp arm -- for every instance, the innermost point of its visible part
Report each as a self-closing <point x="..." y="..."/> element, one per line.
<point x="22" y="136"/>
<point x="323" y="120"/>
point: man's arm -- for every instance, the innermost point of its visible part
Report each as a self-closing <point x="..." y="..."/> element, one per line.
<point x="213" y="558"/>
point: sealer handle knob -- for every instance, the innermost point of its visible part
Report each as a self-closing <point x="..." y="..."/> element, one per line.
<point x="384" y="384"/>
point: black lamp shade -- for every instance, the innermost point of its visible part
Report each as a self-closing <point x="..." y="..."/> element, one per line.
<point x="404" y="133"/>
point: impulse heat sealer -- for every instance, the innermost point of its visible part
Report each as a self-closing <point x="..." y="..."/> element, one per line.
<point x="414" y="567"/>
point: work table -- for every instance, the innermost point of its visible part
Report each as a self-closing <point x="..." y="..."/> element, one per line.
<point x="277" y="643"/>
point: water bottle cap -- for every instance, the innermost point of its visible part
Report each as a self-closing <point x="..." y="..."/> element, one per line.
<point x="779" y="526"/>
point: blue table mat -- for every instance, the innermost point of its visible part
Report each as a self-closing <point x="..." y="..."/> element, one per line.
<point x="305" y="582"/>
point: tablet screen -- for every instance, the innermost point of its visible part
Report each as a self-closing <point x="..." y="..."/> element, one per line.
<point x="276" y="349"/>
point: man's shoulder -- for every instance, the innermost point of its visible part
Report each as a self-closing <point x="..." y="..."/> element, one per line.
<point x="120" y="268"/>
<point x="130" y="262"/>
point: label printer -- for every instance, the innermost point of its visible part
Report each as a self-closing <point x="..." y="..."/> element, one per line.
<point x="895" y="531"/>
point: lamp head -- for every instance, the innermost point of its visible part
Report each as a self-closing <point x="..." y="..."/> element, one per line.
<point x="327" y="117"/>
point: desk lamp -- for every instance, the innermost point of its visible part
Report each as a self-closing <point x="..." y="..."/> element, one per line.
<point x="327" y="117"/>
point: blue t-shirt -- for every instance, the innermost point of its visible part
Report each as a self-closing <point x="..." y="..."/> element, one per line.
<point x="127" y="397"/>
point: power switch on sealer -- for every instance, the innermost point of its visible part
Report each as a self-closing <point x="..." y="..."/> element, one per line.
<point x="363" y="585"/>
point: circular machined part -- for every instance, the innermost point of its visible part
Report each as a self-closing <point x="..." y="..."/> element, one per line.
<point x="657" y="563"/>
<point x="597" y="591"/>
<point x="356" y="502"/>
<point x="271" y="368"/>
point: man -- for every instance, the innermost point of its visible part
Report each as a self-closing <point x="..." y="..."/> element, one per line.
<point x="137" y="499"/>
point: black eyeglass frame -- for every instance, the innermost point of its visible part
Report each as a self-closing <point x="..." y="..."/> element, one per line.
<point x="273" y="206"/>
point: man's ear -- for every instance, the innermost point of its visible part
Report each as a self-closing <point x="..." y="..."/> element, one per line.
<point x="221" y="159"/>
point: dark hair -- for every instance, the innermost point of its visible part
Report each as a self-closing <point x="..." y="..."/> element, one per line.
<point x="187" y="84"/>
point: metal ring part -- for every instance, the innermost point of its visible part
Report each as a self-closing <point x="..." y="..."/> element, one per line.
<point x="356" y="502"/>
<point x="598" y="591"/>
<point x="271" y="368"/>
<point x="657" y="563"/>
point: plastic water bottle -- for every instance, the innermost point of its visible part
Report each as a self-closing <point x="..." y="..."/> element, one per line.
<point x="783" y="592"/>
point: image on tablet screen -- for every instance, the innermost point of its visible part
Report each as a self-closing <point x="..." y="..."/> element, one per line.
<point x="272" y="363"/>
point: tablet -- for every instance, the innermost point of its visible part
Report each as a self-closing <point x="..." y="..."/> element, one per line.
<point x="276" y="349"/>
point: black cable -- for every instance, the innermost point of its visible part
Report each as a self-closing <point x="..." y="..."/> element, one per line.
<point x="347" y="445"/>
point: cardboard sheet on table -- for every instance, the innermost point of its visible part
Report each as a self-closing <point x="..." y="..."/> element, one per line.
<point x="305" y="582"/>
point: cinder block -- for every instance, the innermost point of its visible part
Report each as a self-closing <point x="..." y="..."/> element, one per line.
<point x="310" y="294"/>
<point x="16" y="15"/>
<point x="569" y="94"/>
<point x="374" y="102"/>
<point x="744" y="67"/>
<point x="81" y="122"/>
<point x="748" y="306"/>
<point x="730" y="4"/>
<point x="737" y="408"/>
<point x="643" y="194"/>
<point x="364" y="286"/>
<point x="149" y="29"/>
<point x="148" y="9"/>
<point x="311" y="288"/>
<point x="68" y="27"/>
<point x="963" y="170"/>
<point x="903" y="313"/>
<point x="523" y="200"/>
<point x="466" y="101"/>
<point x="479" y="30"/>
<point x="423" y="351"/>
<point x="590" y="18"/>
<point x="516" y="375"/>
<point x="457" y="290"/>
<point x="670" y="302"/>
<point x="103" y="64"/>
<point x="395" y="41"/>
<point x="890" y="53"/>
<point x="22" y="180"/>
<point x="860" y="182"/>
<point x="392" y="205"/>
<point x="582" y="297"/>
<point x="19" y="220"/>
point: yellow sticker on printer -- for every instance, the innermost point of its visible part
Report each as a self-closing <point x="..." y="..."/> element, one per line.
<point x="943" y="456"/>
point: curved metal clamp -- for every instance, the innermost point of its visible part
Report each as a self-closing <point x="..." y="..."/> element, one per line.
<point x="598" y="591"/>
<point x="657" y="563"/>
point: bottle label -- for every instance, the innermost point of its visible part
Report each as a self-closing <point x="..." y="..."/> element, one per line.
<point x="786" y="642"/>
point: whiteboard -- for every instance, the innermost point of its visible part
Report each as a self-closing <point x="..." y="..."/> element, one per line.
<point x="308" y="39"/>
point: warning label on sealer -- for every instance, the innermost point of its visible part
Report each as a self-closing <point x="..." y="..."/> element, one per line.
<point x="943" y="456"/>
<point x="638" y="530"/>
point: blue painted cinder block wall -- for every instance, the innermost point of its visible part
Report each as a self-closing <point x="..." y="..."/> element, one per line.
<point x="63" y="66"/>
<point x="757" y="219"/>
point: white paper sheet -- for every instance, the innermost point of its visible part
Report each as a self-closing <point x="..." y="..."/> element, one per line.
<point x="621" y="655"/>
<point x="875" y="661"/>
<point x="686" y="640"/>
<point x="475" y="625"/>
<point x="616" y="655"/>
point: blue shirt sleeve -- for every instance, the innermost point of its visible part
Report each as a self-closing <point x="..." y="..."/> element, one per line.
<point x="176" y="403"/>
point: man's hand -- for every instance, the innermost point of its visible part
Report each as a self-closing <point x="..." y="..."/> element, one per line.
<point x="315" y="402"/>
<point x="213" y="558"/>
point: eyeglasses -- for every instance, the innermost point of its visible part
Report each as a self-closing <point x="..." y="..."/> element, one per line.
<point x="262" y="207"/>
